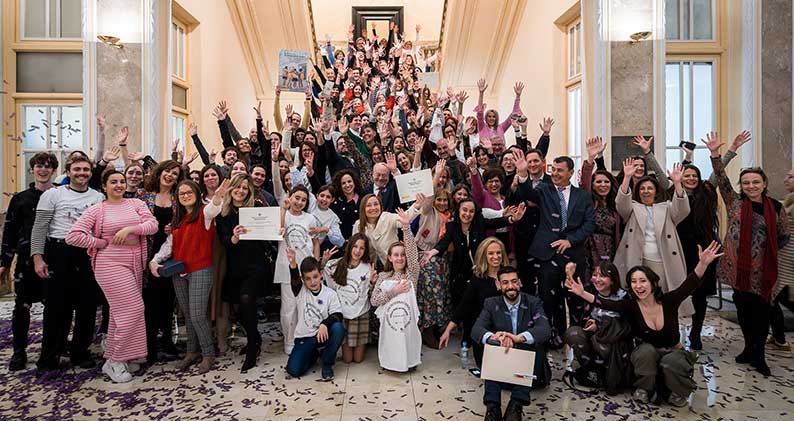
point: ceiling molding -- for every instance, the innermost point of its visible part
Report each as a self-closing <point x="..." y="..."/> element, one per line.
<point x="246" y="29"/>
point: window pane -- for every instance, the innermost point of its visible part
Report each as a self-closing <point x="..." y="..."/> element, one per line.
<point x="673" y="156"/>
<point x="578" y="48"/>
<point x="173" y="48"/>
<point x="180" y="42"/>
<point x="702" y="20"/>
<point x="34" y="131"/>
<point x="703" y="98"/>
<point x="71" y="127"/>
<point x="686" y="93"/>
<point x="71" y="19"/>
<point x="571" y="48"/>
<point x="685" y="19"/>
<point x="178" y="130"/>
<point x="671" y="20"/>
<point x="672" y="104"/>
<point x="45" y="72"/>
<point x="702" y="160"/>
<point x="34" y="18"/>
<point x="179" y="96"/>
<point x="575" y="126"/>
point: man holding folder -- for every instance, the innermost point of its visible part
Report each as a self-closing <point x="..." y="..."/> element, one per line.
<point x="515" y="319"/>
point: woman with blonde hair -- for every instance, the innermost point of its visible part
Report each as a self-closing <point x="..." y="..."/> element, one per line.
<point x="379" y="226"/>
<point x="489" y="257"/>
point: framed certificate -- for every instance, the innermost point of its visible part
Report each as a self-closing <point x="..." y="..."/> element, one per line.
<point x="408" y="185"/>
<point x="516" y="366"/>
<point x="262" y="223"/>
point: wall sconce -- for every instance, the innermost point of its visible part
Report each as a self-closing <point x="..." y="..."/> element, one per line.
<point x="110" y="40"/>
<point x="639" y="36"/>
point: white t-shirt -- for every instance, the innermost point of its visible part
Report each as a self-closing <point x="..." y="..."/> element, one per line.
<point x="354" y="296"/>
<point x="68" y="205"/>
<point x="313" y="309"/>
<point x="296" y="236"/>
<point x="328" y="219"/>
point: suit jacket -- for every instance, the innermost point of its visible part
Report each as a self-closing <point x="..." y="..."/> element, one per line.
<point x="495" y="317"/>
<point x="526" y="227"/>
<point x="581" y="219"/>
<point x="460" y="263"/>
<point x="390" y="200"/>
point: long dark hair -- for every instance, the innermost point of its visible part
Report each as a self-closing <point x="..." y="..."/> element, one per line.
<point x="340" y="273"/>
<point x="214" y="167"/>
<point x="609" y="200"/>
<point x="653" y="278"/>
<point x="181" y="211"/>
<point x="152" y="181"/>
<point x="703" y="208"/>
<point x="621" y="175"/>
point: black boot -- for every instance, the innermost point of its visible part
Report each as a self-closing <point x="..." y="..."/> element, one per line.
<point x="493" y="412"/>
<point x="251" y="354"/>
<point x="18" y="361"/>
<point x="514" y="411"/>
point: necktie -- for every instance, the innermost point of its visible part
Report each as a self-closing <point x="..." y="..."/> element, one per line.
<point x="563" y="208"/>
<point x="380" y="195"/>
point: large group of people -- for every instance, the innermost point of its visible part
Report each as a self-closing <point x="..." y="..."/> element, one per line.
<point x="502" y="251"/>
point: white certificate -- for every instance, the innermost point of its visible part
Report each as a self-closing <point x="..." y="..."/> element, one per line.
<point x="262" y="223"/>
<point x="408" y="185"/>
<point x="517" y="366"/>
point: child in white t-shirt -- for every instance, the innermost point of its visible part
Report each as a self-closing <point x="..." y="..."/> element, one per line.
<point x="351" y="276"/>
<point x="319" y="329"/>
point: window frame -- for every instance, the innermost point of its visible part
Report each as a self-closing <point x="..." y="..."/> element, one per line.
<point x="571" y="82"/>
<point x="21" y="19"/>
<point x="691" y="23"/>
<point x="177" y="80"/>
<point x="574" y="44"/>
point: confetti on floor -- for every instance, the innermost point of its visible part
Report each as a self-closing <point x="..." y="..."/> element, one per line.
<point x="437" y="390"/>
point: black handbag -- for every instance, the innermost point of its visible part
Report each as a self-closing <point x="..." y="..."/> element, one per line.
<point x="170" y="268"/>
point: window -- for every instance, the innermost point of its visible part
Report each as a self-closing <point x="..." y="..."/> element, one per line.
<point x="180" y="86"/>
<point x="574" y="129"/>
<point x="573" y="98"/>
<point x="178" y="51"/>
<point x="689" y="20"/>
<point x="178" y="129"/>
<point x="575" y="50"/>
<point x="57" y="128"/>
<point x="690" y="109"/>
<point x="51" y="19"/>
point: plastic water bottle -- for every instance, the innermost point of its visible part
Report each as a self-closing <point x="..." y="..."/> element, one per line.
<point x="464" y="355"/>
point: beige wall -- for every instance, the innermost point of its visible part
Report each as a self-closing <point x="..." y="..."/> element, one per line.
<point x="537" y="58"/>
<point x="333" y="17"/>
<point x="217" y="71"/>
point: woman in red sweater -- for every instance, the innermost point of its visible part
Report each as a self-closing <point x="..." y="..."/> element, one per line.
<point x="190" y="242"/>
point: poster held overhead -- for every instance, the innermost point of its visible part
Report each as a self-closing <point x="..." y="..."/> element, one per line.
<point x="293" y="73"/>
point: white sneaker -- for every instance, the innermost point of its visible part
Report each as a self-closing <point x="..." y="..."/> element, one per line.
<point x="116" y="371"/>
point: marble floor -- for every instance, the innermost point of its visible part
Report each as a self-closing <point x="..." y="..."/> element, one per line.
<point x="438" y="390"/>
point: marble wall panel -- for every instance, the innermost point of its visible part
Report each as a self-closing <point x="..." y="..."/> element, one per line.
<point x="631" y="88"/>
<point x="776" y="91"/>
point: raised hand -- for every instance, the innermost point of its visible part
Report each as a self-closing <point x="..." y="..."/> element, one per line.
<point x="740" y="139"/>
<point x="258" y="110"/>
<point x="713" y="143"/>
<point x="546" y="124"/>
<point x="519" y="212"/>
<point x="291" y="257"/>
<point x="343" y="125"/>
<point x="575" y="286"/>
<point x="595" y="146"/>
<point x="135" y="156"/>
<point x="521" y="162"/>
<point x="643" y="143"/>
<point x="629" y="168"/>
<point x="462" y="96"/>
<point x="481" y="85"/>
<point x="570" y="269"/>
<point x="288" y="110"/>
<point x="677" y="173"/>
<point x="518" y="88"/>
<point x="100" y="121"/>
<point x="419" y="146"/>
<point x="220" y="193"/>
<point x="278" y="89"/>
<point x="175" y="144"/>
<point x="111" y="154"/>
<point x="121" y="139"/>
<point x="327" y="255"/>
<point x="710" y="253"/>
<point x="218" y="114"/>
<point x="190" y="158"/>
<point x="224" y="108"/>
<point x="192" y="129"/>
<point x="391" y="162"/>
<point x="472" y="164"/>
<point x="213" y="155"/>
<point x="485" y="142"/>
<point x="403" y="215"/>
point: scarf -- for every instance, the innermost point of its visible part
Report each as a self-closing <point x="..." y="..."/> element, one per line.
<point x="744" y="264"/>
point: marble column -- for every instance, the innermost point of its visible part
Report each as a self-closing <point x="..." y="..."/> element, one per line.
<point x="633" y="85"/>
<point x="776" y="91"/>
<point x="123" y="84"/>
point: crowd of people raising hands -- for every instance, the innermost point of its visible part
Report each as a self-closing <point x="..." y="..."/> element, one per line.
<point x="606" y="268"/>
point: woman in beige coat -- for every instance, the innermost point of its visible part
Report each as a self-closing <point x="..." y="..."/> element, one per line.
<point x="650" y="238"/>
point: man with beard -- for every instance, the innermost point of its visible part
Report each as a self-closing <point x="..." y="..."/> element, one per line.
<point x="514" y="319"/>
<point x="69" y="284"/>
<point x="16" y="241"/>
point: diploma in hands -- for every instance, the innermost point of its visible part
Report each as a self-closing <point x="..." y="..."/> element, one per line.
<point x="408" y="185"/>
<point x="517" y="366"/>
<point x="262" y="223"/>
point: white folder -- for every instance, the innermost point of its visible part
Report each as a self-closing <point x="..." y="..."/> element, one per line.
<point x="516" y="366"/>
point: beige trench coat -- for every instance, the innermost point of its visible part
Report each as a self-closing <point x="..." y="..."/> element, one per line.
<point x="666" y="216"/>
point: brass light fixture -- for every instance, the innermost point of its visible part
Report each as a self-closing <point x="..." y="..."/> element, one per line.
<point x="110" y="40"/>
<point x="639" y="36"/>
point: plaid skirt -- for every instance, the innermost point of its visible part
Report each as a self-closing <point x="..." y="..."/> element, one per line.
<point x="357" y="330"/>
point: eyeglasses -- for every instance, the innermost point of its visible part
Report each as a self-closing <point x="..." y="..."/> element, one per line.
<point x="493" y="181"/>
<point x="186" y="194"/>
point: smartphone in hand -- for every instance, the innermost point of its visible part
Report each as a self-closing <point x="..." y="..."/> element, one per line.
<point x="689" y="145"/>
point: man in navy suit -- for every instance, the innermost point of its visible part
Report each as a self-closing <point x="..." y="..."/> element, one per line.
<point x="384" y="188"/>
<point x="513" y="319"/>
<point x="566" y="220"/>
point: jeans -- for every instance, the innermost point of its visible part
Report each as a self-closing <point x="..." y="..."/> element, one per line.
<point x="493" y="393"/>
<point x="306" y="350"/>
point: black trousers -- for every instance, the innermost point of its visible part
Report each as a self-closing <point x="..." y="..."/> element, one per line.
<point x="71" y="288"/>
<point x="28" y="288"/>
<point x="753" y="313"/>
<point x="158" y="300"/>
<point x="776" y="315"/>
<point x="551" y="277"/>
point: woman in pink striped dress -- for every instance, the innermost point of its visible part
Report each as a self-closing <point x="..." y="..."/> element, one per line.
<point x="114" y="233"/>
